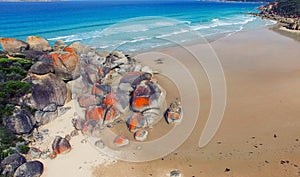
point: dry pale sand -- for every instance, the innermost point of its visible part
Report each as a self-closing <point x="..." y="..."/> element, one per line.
<point x="82" y="157"/>
<point x="260" y="131"/>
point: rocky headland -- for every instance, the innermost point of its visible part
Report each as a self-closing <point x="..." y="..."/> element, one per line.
<point x="106" y="89"/>
<point x="286" y="13"/>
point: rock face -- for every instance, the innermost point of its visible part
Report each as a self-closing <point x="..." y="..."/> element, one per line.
<point x="11" y="163"/>
<point x="11" y="45"/>
<point x="60" y="145"/>
<point x="38" y="43"/>
<point x="121" y="141"/>
<point x="285" y="12"/>
<point x="21" y="122"/>
<point x="59" y="45"/>
<point x="88" y="100"/>
<point x="174" y="113"/>
<point x="48" y="89"/>
<point x="41" y="68"/>
<point x="141" y="135"/>
<point x="30" y="169"/>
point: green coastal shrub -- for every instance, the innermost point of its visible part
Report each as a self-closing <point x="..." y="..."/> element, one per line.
<point x="12" y="71"/>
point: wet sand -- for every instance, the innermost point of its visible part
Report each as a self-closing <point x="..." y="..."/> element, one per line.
<point x="259" y="134"/>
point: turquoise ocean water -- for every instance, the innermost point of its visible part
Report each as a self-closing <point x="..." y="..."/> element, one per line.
<point x="136" y="25"/>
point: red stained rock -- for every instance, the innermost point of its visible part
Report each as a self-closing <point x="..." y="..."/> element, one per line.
<point x="140" y="103"/>
<point x="141" y="135"/>
<point x="121" y="140"/>
<point x="111" y="114"/>
<point x="12" y="45"/>
<point x="110" y="100"/>
<point x="174" y="113"/>
<point x="135" y="122"/>
<point x="64" y="64"/>
<point x="95" y="113"/>
<point x="87" y="100"/>
<point x="60" y="145"/>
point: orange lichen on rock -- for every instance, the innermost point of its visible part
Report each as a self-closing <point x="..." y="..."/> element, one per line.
<point x="140" y="102"/>
<point x="110" y="99"/>
<point x="111" y="115"/>
<point x="70" y="49"/>
<point x="135" y="122"/>
<point x="95" y="113"/>
<point x="121" y="140"/>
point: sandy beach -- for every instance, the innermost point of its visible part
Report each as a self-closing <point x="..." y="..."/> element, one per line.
<point x="259" y="134"/>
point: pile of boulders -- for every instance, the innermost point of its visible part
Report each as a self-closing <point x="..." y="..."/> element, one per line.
<point x="16" y="165"/>
<point x="115" y="87"/>
<point x="110" y="88"/>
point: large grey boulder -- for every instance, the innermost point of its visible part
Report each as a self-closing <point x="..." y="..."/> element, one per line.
<point x="21" y="122"/>
<point x="48" y="89"/>
<point x="10" y="163"/>
<point x="41" y="68"/>
<point x="30" y="169"/>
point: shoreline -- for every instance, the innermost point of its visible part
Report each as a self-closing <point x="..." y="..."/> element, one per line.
<point x="280" y="29"/>
<point x="261" y="104"/>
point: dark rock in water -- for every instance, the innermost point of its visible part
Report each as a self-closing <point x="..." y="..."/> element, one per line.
<point x="60" y="145"/>
<point x="38" y="43"/>
<point x="59" y="45"/>
<point x="11" y="45"/>
<point x="91" y="128"/>
<point x="41" y="68"/>
<point x="21" y="122"/>
<point x="48" y="89"/>
<point x="88" y="100"/>
<point x="45" y="117"/>
<point x="30" y="169"/>
<point x="10" y="163"/>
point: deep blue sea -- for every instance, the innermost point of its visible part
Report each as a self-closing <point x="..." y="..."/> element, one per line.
<point x="136" y="25"/>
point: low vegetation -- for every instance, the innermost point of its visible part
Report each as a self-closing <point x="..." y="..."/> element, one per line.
<point x="12" y="71"/>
